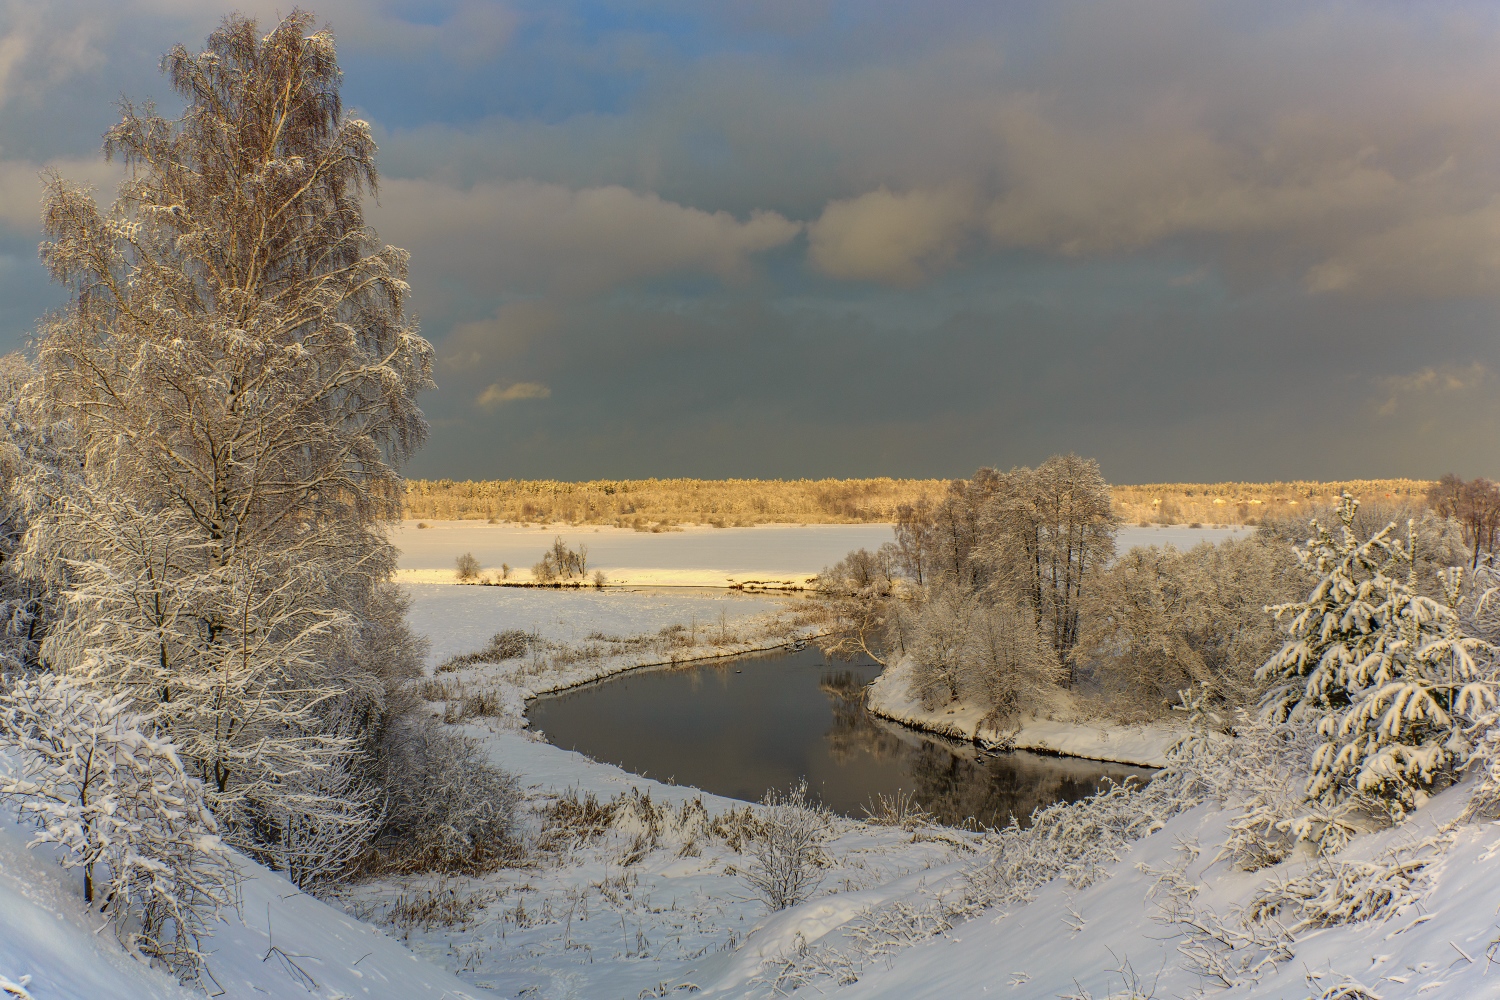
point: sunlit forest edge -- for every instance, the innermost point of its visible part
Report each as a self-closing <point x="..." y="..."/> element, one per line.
<point x="656" y="503"/>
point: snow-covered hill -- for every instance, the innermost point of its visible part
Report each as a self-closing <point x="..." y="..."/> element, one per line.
<point x="1115" y="939"/>
<point x="285" y="944"/>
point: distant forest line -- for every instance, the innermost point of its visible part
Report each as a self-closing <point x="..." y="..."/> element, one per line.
<point x="645" y="504"/>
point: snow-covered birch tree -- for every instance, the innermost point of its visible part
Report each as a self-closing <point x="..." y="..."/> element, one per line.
<point x="241" y="376"/>
<point x="1045" y="532"/>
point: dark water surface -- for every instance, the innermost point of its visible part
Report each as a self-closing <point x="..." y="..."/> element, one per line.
<point x="740" y="727"/>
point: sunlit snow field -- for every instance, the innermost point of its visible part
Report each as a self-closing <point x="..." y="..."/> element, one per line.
<point x="700" y="556"/>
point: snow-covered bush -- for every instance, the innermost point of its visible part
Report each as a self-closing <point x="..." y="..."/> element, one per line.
<point x="447" y="807"/>
<point x="1257" y="766"/>
<point x="113" y="796"/>
<point x="1158" y="620"/>
<point x="1077" y="841"/>
<point x="786" y="852"/>
<point x="1388" y="674"/>
<point x="466" y="567"/>
<point x="561" y="563"/>
<point x="1338" y="891"/>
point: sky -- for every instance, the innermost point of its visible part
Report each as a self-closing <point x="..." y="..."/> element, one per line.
<point x="804" y="238"/>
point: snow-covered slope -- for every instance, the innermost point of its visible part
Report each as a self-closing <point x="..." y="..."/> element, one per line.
<point x="1101" y="940"/>
<point x="70" y="953"/>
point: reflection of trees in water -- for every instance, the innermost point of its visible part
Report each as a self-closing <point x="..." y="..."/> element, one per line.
<point x="852" y="731"/>
<point x="992" y="789"/>
<point x="954" y="781"/>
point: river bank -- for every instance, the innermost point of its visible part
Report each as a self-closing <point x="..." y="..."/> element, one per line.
<point x="889" y="697"/>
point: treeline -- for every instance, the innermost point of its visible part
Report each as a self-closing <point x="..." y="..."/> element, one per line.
<point x="1007" y="592"/>
<point x="646" y="503"/>
<point x="1252" y="503"/>
<point x="657" y="503"/>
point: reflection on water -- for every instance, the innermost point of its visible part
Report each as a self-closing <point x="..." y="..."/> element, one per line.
<point x="740" y="727"/>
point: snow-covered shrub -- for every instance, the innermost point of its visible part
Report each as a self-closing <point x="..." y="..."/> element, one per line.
<point x="1077" y="841"/>
<point x="1258" y="766"/>
<point x="561" y="563"/>
<point x="786" y="852"/>
<point x="1340" y="891"/>
<point x="855" y="606"/>
<point x="1158" y="620"/>
<point x="982" y="648"/>
<point x="1388" y="674"/>
<point x="113" y="796"/>
<point x="467" y="568"/>
<point x="900" y="809"/>
<point x="447" y="807"/>
<point x="572" y="820"/>
<point x="506" y="645"/>
<point x="644" y="825"/>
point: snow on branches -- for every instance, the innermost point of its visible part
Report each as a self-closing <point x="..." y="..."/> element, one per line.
<point x="100" y="784"/>
<point x="1390" y="675"/>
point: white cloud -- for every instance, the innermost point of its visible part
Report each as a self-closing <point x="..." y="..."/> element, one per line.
<point x="1432" y="384"/>
<point x="21" y="187"/>
<point x="527" y="234"/>
<point x="495" y="396"/>
<point x="890" y="237"/>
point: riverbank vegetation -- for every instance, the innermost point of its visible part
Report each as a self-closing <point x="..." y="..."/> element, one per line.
<point x="661" y="504"/>
<point x="1359" y="624"/>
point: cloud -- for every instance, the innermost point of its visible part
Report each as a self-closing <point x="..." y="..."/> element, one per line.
<point x="478" y="346"/>
<point x="495" y="396"/>
<point x="1431" y="382"/>
<point x="895" y="238"/>
<point x="42" y="47"/>
<point x="1440" y="254"/>
<point x="529" y="235"/>
<point x="21" y="189"/>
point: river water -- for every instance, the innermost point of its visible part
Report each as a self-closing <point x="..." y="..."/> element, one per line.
<point x="741" y="727"/>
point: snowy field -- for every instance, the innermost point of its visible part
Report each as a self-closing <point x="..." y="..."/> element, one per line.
<point x="462" y="619"/>
<point x="695" y="556"/>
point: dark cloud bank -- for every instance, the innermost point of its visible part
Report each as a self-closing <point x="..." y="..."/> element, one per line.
<point x="1198" y="241"/>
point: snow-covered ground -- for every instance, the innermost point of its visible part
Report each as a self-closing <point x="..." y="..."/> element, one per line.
<point x="1072" y="942"/>
<point x="656" y="903"/>
<point x="696" y="556"/>
<point x="604" y="918"/>
<point x="56" y="947"/>
<point x="890" y="697"/>
<point x="462" y="619"/>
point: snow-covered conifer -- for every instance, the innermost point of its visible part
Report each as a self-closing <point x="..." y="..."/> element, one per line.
<point x="1388" y="674"/>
